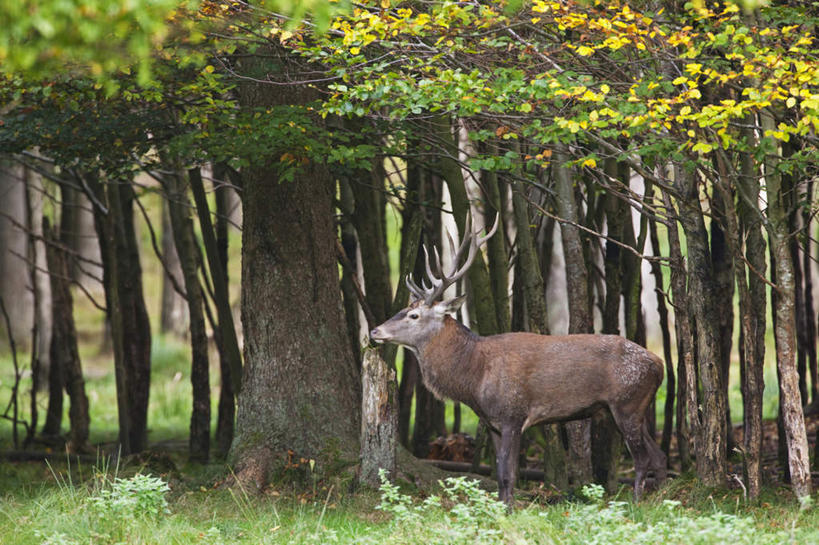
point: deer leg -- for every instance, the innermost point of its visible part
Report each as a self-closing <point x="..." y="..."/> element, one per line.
<point x="632" y="429"/>
<point x="507" y="457"/>
<point x="659" y="462"/>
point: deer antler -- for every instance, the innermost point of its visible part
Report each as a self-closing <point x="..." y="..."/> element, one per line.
<point x="438" y="284"/>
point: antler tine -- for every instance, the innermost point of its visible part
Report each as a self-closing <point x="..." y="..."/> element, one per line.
<point x="491" y="232"/>
<point x="416" y="292"/>
<point x="452" y="250"/>
<point x="470" y="244"/>
<point x="430" y="276"/>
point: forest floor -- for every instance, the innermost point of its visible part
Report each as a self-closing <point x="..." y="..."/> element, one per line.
<point x="160" y="498"/>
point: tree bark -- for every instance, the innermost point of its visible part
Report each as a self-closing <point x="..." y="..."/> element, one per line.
<point x="605" y="438"/>
<point x="301" y="385"/>
<point x="497" y="254"/>
<point x="125" y="305"/>
<point x="378" y="418"/>
<point x="226" y="418"/>
<point x="368" y="220"/>
<point x="785" y="322"/>
<point x="179" y="210"/>
<point x="662" y="312"/>
<point x="230" y="343"/>
<point x="14" y="289"/>
<point x="173" y="315"/>
<point x="687" y="417"/>
<point x="64" y="351"/>
<point x="710" y="430"/>
<point x="580" y="317"/>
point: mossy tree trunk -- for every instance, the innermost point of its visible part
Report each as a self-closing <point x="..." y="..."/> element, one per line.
<point x="300" y="386"/>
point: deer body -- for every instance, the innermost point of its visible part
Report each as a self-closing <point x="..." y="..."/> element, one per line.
<point x="516" y="380"/>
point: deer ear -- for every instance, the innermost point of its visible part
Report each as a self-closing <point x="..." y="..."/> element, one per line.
<point x="451" y="306"/>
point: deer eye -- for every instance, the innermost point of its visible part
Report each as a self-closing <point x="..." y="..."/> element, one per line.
<point x="413" y="316"/>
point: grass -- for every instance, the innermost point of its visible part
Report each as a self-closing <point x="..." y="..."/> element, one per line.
<point x="107" y="505"/>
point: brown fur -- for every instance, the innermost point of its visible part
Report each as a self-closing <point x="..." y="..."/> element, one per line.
<point x="516" y="380"/>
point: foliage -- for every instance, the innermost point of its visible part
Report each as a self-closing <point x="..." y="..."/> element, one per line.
<point x="132" y="498"/>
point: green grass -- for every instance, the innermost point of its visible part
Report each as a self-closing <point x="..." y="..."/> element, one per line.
<point x="107" y="505"/>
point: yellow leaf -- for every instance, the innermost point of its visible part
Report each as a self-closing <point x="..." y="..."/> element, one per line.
<point x="605" y="89"/>
<point x="286" y="34"/>
<point x="791" y="102"/>
<point x="584" y="51"/>
<point x="591" y="163"/>
<point x="385" y="4"/>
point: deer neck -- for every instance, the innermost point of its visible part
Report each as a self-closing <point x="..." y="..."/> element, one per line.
<point x="448" y="365"/>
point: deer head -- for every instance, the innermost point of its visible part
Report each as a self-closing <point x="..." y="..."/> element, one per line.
<point x="424" y="317"/>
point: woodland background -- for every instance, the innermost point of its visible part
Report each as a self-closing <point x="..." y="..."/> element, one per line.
<point x="204" y="206"/>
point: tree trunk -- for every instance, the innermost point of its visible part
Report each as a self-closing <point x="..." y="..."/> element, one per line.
<point x="349" y="243"/>
<point x="14" y="288"/>
<point x="64" y="350"/>
<point x="724" y="304"/>
<point x="185" y="243"/>
<point x="749" y="337"/>
<point x="710" y="443"/>
<point x="368" y="220"/>
<point x="785" y="322"/>
<point x="497" y="254"/>
<point x="810" y="315"/>
<point x="580" y="317"/>
<point x="482" y="313"/>
<point x="173" y="315"/>
<point x="217" y="269"/>
<point x="125" y="305"/>
<point x="378" y="418"/>
<point x="662" y="312"/>
<point x="300" y="386"/>
<point x="687" y="417"/>
<point x="605" y="439"/>
<point x="226" y="419"/>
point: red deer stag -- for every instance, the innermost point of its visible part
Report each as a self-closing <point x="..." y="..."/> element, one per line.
<point x="516" y="380"/>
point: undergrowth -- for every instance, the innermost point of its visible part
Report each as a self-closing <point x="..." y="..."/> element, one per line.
<point x="106" y="506"/>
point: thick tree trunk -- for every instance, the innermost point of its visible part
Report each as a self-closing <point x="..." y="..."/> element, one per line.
<point x="784" y="326"/>
<point x="300" y="386"/>
<point x="179" y="210"/>
<point x="580" y="317"/>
